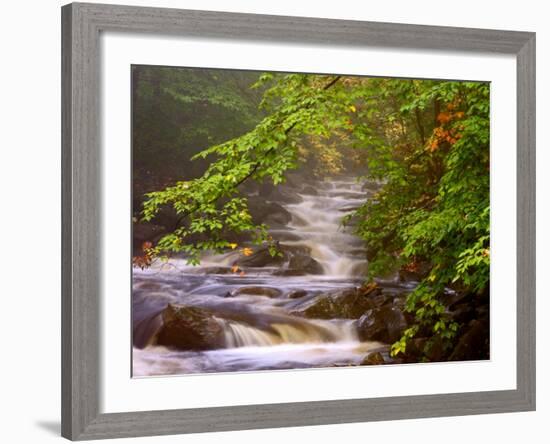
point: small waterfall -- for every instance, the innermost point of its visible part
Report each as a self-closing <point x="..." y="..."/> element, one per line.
<point x="317" y="222"/>
<point x="297" y="332"/>
<point x="240" y="335"/>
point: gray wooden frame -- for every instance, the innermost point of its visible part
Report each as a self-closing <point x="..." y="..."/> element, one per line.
<point x="81" y="232"/>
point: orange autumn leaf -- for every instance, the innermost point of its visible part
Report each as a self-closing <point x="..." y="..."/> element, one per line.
<point x="412" y="267"/>
<point x="145" y="260"/>
<point x="444" y="117"/>
<point x="440" y="132"/>
<point x="142" y="261"/>
<point x="247" y="251"/>
<point x="235" y="268"/>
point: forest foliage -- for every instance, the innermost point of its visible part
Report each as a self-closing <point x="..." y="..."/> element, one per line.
<point x="426" y="142"/>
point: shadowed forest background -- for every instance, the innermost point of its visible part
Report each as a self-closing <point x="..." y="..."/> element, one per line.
<point x="298" y="220"/>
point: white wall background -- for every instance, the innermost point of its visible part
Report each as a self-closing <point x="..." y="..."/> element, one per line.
<point x="30" y="219"/>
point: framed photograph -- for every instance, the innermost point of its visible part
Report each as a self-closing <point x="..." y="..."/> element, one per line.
<point x="279" y="221"/>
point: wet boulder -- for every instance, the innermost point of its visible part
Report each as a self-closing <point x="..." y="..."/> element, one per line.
<point x="482" y="312"/>
<point x="375" y="358"/>
<point x="301" y="264"/>
<point x="415" y="349"/>
<point x="270" y="292"/>
<point x="473" y="342"/>
<point x="298" y="256"/>
<point x="297" y="294"/>
<point x="261" y="258"/>
<point x="378" y="299"/>
<point x="414" y="272"/>
<point x="371" y="289"/>
<point x="453" y="299"/>
<point x="275" y="215"/>
<point x="432" y="349"/>
<point x="190" y="328"/>
<point x="346" y="304"/>
<point x="271" y="213"/>
<point x="385" y="324"/>
<point x="306" y="264"/>
<point x="463" y="313"/>
<point x="285" y="195"/>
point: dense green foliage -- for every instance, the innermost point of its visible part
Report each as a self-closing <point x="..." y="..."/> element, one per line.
<point x="425" y="142"/>
<point x="434" y="207"/>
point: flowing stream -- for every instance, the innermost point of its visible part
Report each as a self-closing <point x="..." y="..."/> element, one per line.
<point x="260" y="331"/>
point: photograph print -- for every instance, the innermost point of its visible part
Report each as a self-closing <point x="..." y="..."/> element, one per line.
<point x="296" y="221"/>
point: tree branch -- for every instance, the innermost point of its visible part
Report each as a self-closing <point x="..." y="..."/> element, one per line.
<point x="254" y="168"/>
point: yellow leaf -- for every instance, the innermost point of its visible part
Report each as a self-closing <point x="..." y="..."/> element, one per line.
<point x="233" y="246"/>
<point x="352" y="108"/>
<point x="247" y="251"/>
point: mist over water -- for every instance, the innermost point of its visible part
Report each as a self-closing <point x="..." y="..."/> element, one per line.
<point x="260" y="331"/>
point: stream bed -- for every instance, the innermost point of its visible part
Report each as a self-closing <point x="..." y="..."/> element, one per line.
<point x="258" y="312"/>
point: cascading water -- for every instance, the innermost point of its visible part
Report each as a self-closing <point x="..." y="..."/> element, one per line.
<point x="239" y="335"/>
<point x="317" y="220"/>
<point x="261" y="332"/>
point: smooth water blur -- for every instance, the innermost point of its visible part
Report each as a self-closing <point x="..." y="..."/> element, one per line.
<point x="289" y="341"/>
